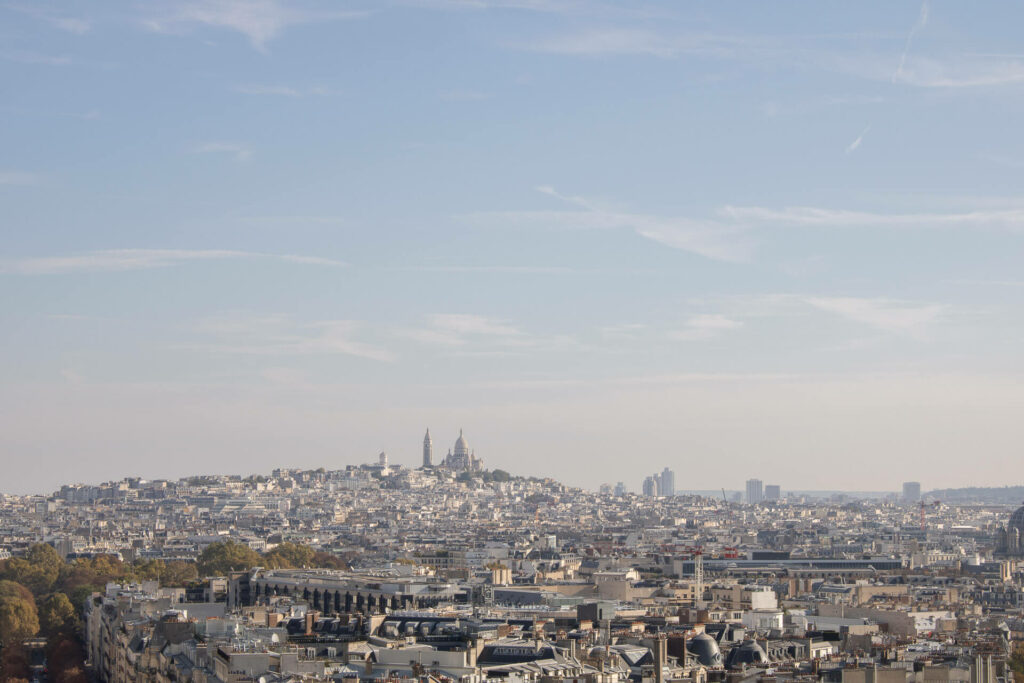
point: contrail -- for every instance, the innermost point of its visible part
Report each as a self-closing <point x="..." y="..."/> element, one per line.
<point x="922" y="19"/>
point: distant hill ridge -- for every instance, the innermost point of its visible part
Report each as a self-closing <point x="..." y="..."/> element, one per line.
<point x="1007" y="495"/>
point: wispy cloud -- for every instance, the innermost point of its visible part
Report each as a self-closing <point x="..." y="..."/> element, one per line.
<point x="884" y="314"/>
<point x="18" y="178"/>
<point x="1012" y="219"/>
<point x="524" y="270"/>
<point x="630" y="41"/>
<point x="239" y="152"/>
<point x="139" y="259"/>
<point x="458" y="329"/>
<point x="729" y="233"/>
<point x="530" y="5"/>
<point x="36" y="58"/>
<point x="471" y="335"/>
<point x="281" y="90"/>
<point x="571" y="199"/>
<point x="72" y="25"/>
<point x="259" y="20"/>
<point x="839" y="54"/>
<point x="879" y="312"/>
<point x="707" y="238"/>
<point x="954" y="71"/>
<point x="281" y="336"/>
<point x="853" y="146"/>
<point x="705" y="326"/>
<point x="964" y="71"/>
<point x="63" y="22"/>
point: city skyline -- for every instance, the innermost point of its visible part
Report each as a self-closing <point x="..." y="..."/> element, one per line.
<point x="605" y="238"/>
<point x="660" y="484"/>
<point x="511" y="341"/>
<point x="740" y="490"/>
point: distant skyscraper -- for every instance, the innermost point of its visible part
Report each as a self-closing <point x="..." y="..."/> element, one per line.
<point x="382" y="460"/>
<point x="911" y="492"/>
<point x="428" y="451"/>
<point x="650" y="487"/>
<point x="620" y="489"/>
<point x="755" y="491"/>
<point x="772" y="492"/>
<point x="605" y="489"/>
<point x="668" y="482"/>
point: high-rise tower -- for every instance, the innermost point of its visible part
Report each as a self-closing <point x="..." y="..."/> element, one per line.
<point x="755" y="491"/>
<point x="428" y="451"/>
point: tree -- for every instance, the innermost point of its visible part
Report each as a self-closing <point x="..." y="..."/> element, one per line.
<point x="174" y="573"/>
<point x="1017" y="665"/>
<point x="63" y="657"/>
<point x="288" y="556"/>
<point x="80" y="595"/>
<point x="223" y="557"/>
<point x="18" y="617"/>
<point x="326" y="560"/>
<point x="14" y="665"/>
<point x="57" y="615"/>
<point x="85" y="575"/>
<point x="74" y="675"/>
<point x="38" y="570"/>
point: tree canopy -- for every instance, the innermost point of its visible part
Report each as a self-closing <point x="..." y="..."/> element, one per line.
<point x="226" y="556"/>
<point x="289" y="556"/>
<point x="57" y="615"/>
<point x="38" y="570"/>
<point x="174" y="573"/>
<point x="18" y="617"/>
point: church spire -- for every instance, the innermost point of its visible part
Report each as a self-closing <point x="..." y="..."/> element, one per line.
<point x="428" y="450"/>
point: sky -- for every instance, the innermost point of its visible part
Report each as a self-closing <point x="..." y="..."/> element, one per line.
<point x="746" y="239"/>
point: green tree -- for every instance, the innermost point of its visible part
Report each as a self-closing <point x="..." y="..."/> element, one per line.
<point x="179" y="573"/>
<point x="18" y="617"/>
<point x="38" y="570"/>
<point x="80" y="594"/>
<point x="83" y="576"/>
<point x="325" y="560"/>
<point x="57" y="615"/>
<point x="289" y="555"/>
<point x="225" y="556"/>
<point x="175" y="573"/>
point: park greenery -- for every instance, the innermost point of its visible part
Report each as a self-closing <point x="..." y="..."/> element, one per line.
<point x="43" y="596"/>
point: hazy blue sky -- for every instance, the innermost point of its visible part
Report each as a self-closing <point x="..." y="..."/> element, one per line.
<point x="739" y="239"/>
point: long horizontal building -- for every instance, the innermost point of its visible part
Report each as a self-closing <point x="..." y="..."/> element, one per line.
<point x="803" y="566"/>
<point x="333" y="591"/>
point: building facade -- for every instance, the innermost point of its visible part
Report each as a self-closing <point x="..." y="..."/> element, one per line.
<point x="755" y="491"/>
<point x="461" y="458"/>
<point x="1010" y="538"/>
